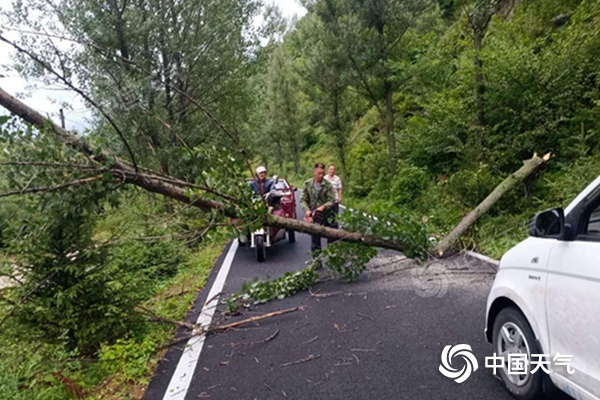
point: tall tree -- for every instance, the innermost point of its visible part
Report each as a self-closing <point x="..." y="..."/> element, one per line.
<point x="324" y="69"/>
<point x="371" y="33"/>
<point x="479" y="14"/>
<point x="282" y="102"/>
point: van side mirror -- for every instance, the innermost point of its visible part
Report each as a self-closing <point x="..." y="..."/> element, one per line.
<point x="548" y="224"/>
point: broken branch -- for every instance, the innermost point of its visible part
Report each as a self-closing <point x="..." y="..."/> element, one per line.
<point x="302" y="360"/>
<point x="273" y="336"/>
<point x="255" y="319"/>
<point x="205" y="330"/>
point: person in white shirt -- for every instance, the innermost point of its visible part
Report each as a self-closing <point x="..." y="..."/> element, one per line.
<point x="336" y="182"/>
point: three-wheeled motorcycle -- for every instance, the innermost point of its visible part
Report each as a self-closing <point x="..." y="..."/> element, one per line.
<point x="281" y="201"/>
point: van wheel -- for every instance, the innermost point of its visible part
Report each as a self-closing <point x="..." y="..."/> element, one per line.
<point x="513" y="335"/>
<point x="291" y="236"/>
<point x="261" y="249"/>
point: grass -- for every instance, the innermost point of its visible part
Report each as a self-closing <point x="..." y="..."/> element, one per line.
<point x="31" y="370"/>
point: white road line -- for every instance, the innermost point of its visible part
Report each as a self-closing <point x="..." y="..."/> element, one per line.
<point x="483" y="257"/>
<point x="180" y="382"/>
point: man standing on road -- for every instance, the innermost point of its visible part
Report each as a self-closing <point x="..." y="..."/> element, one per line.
<point x="336" y="182"/>
<point x="261" y="185"/>
<point x="317" y="200"/>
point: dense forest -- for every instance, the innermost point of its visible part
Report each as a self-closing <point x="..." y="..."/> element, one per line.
<point x="424" y="106"/>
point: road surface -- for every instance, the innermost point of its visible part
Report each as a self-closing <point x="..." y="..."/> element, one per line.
<point x="379" y="338"/>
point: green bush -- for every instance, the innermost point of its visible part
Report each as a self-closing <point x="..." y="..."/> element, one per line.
<point x="559" y="187"/>
<point x="25" y="369"/>
<point x="128" y="357"/>
<point x="471" y="187"/>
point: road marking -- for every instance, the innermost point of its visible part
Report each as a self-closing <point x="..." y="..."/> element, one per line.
<point x="182" y="377"/>
<point x="482" y="257"/>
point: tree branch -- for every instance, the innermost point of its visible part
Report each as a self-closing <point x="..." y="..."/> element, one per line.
<point x="52" y="165"/>
<point x="47" y="189"/>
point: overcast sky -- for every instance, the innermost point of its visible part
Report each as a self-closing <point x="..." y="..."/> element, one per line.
<point x="49" y="100"/>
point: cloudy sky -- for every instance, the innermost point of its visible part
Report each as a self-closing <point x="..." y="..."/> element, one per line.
<point x="290" y="7"/>
<point x="49" y="100"/>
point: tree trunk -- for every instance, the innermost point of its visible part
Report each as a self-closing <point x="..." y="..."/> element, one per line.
<point x="479" y="82"/>
<point x="119" y="28"/>
<point x="167" y="71"/>
<point x="335" y="234"/>
<point x="297" y="163"/>
<point x="479" y="92"/>
<point x="528" y="168"/>
<point x="339" y="135"/>
<point x="388" y="114"/>
<point x="389" y="126"/>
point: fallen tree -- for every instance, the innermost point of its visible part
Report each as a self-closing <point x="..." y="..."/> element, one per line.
<point x="176" y="189"/>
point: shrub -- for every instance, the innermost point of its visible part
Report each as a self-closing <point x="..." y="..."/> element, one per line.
<point x="409" y="182"/>
<point x="155" y="260"/>
<point x="472" y="187"/>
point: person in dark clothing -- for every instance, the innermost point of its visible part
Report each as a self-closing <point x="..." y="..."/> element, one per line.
<point x="261" y="185"/>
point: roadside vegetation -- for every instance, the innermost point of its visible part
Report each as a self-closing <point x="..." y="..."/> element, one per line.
<point x="96" y="327"/>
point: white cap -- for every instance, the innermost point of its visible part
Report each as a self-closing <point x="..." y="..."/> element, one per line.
<point x="260" y="169"/>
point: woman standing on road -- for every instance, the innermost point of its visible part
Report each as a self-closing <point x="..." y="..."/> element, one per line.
<point x="336" y="182"/>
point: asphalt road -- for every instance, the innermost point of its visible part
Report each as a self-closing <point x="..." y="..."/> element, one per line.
<point x="379" y="338"/>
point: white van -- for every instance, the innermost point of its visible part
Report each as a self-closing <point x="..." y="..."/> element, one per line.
<point x="545" y="302"/>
